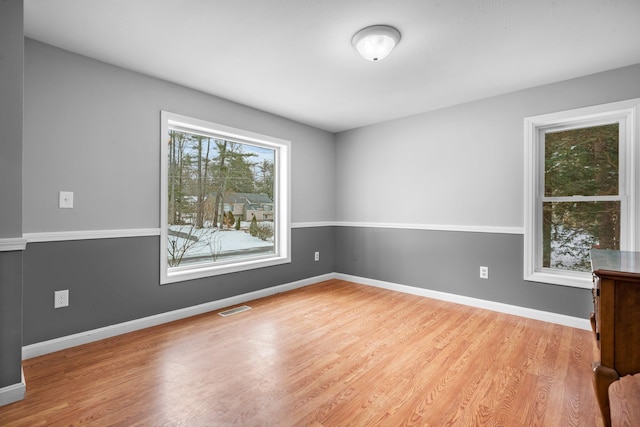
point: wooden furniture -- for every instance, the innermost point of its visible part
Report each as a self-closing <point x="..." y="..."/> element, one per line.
<point x="624" y="396"/>
<point x="615" y="320"/>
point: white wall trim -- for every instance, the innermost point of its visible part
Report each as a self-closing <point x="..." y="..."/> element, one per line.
<point x="45" y="347"/>
<point x="86" y="337"/>
<point x="312" y="224"/>
<point x="546" y="316"/>
<point x="13" y="244"/>
<point x="13" y="392"/>
<point x="435" y="227"/>
<point x="60" y="236"/>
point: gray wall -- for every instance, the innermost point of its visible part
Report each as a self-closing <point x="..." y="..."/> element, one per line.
<point x="116" y="280"/>
<point x="11" y="84"/>
<point x="460" y="166"/>
<point x="449" y="261"/>
<point x="11" y="92"/>
<point x="94" y="129"/>
<point x="10" y="318"/>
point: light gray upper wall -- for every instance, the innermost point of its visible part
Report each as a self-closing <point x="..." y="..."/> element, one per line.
<point x="94" y="129"/>
<point x="11" y="90"/>
<point x="461" y="165"/>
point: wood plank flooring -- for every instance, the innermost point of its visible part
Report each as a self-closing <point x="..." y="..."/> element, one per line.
<point x="331" y="354"/>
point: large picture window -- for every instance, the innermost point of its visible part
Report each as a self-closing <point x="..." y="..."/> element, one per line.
<point x="581" y="192"/>
<point x="224" y="199"/>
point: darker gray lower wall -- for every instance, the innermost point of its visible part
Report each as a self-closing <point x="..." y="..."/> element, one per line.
<point x="117" y="280"/>
<point x="449" y="261"/>
<point x="112" y="281"/>
<point x="10" y="318"/>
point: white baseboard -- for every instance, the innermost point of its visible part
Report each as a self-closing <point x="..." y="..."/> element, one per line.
<point x="69" y="341"/>
<point x="13" y="392"/>
<point x="546" y="316"/>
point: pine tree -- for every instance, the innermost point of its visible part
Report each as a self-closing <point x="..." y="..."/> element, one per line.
<point x="253" y="228"/>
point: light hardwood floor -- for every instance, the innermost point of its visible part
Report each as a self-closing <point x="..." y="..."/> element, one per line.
<point x="332" y="354"/>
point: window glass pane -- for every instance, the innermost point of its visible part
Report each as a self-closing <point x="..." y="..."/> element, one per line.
<point x="220" y="200"/>
<point x="582" y="162"/>
<point x="570" y="229"/>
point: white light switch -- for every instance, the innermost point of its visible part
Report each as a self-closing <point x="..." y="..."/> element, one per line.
<point x="65" y="200"/>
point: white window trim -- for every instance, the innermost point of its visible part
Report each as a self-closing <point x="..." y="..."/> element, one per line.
<point x="282" y="205"/>
<point x="627" y="111"/>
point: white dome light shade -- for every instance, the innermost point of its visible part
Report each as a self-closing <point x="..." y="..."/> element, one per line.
<point x="376" y="43"/>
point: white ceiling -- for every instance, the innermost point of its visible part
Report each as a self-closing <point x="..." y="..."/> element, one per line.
<point x="294" y="58"/>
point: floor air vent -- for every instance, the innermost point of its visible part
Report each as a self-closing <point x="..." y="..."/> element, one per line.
<point x="234" y="310"/>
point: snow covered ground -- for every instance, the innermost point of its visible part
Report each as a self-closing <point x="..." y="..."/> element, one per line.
<point x="213" y="243"/>
<point x="570" y="249"/>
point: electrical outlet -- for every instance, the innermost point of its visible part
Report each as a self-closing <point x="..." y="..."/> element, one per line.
<point x="317" y="256"/>
<point x="65" y="200"/>
<point x="484" y="272"/>
<point x="61" y="298"/>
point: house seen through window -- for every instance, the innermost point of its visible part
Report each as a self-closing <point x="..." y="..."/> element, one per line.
<point x="224" y="194"/>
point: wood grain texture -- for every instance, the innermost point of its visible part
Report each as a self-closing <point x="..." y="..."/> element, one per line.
<point x="332" y="354"/>
<point x="625" y="401"/>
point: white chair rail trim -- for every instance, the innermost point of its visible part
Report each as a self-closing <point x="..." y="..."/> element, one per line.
<point x="13" y="244"/>
<point x="59" y="236"/>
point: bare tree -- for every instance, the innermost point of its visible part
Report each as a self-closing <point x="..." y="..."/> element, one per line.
<point x="188" y="242"/>
<point x="177" y="145"/>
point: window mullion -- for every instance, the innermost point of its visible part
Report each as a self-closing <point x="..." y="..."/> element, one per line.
<point x="612" y="198"/>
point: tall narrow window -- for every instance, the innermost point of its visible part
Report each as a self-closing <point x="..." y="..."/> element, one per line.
<point x="580" y="193"/>
<point x="224" y="199"/>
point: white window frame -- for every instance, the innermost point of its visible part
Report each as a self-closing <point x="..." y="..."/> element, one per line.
<point x="282" y="206"/>
<point x="624" y="112"/>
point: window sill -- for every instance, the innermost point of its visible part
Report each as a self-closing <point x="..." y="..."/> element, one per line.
<point x="575" y="280"/>
<point x="216" y="270"/>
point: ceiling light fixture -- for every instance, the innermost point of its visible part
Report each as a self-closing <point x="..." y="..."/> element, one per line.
<point x="376" y="42"/>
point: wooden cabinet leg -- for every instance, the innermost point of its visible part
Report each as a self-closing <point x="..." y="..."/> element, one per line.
<point x="602" y="379"/>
